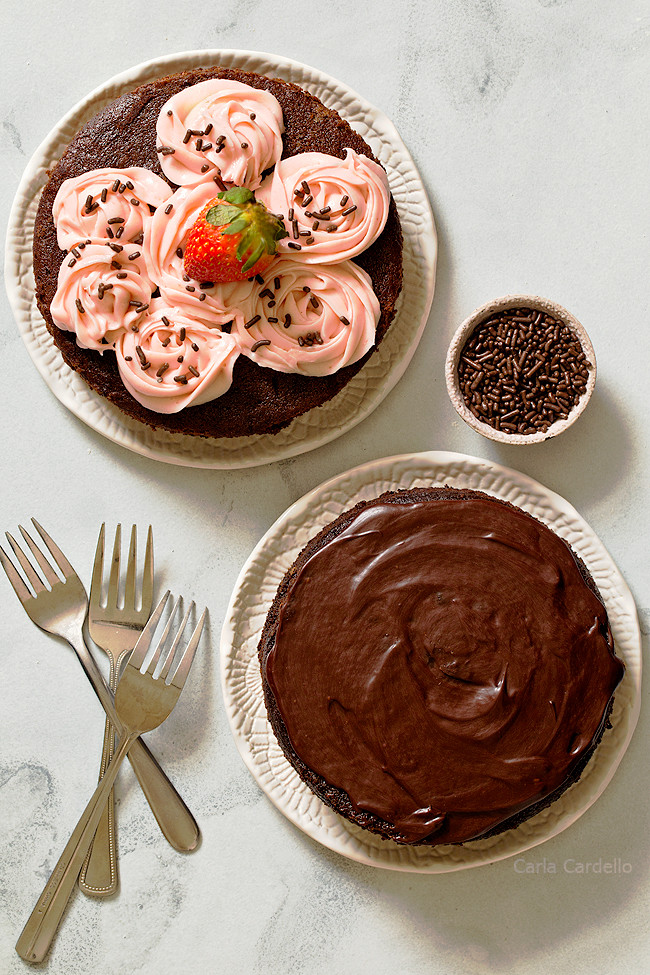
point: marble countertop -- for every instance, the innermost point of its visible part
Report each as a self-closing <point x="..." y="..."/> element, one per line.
<point x="529" y="125"/>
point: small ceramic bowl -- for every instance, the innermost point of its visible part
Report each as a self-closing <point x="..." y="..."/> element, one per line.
<point x="481" y="315"/>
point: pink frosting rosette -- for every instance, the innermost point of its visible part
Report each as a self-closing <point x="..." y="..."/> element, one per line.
<point x="175" y="361"/>
<point x="101" y="291"/>
<point x="170" y="228"/>
<point x="334" y="208"/>
<point x="312" y="320"/>
<point x="107" y="203"/>
<point x="219" y="127"/>
<point x="216" y="305"/>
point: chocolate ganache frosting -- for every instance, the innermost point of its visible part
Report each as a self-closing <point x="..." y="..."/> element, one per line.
<point x="436" y="663"/>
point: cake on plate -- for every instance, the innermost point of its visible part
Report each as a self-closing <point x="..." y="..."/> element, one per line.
<point x="153" y="177"/>
<point x="438" y="665"/>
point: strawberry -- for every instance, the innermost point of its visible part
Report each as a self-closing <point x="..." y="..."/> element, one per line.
<point x="233" y="238"/>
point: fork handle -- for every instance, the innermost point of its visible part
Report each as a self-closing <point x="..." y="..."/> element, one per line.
<point x="38" y="934"/>
<point x="177" y="823"/>
<point x="99" y="874"/>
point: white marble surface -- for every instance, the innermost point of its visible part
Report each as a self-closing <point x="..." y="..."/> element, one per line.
<point x="528" y="122"/>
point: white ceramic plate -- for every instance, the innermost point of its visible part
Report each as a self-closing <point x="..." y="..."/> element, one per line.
<point x="255" y="591"/>
<point x="366" y="390"/>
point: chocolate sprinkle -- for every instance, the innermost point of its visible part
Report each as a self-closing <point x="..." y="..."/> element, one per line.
<point x="252" y="321"/>
<point x="521" y="370"/>
<point x="259" y="344"/>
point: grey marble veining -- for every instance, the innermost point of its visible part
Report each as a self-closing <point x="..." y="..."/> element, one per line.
<point x="528" y="121"/>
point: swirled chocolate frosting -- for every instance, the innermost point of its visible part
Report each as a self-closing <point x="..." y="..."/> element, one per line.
<point x="441" y="665"/>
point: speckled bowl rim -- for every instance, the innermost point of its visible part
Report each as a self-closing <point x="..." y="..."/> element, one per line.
<point x="253" y="596"/>
<point x="472" y="322"/>
<point x="365" y="391"/>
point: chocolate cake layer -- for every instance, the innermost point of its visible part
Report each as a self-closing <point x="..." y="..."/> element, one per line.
<point x="260" y="400"/>
<point x="438" y="665"/>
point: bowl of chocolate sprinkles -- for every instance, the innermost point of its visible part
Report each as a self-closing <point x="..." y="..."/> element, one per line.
<point x="520" y="369"/>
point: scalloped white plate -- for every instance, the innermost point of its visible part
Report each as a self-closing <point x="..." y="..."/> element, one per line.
<point x="255" y="591"/>
<point x="365" y="391"/>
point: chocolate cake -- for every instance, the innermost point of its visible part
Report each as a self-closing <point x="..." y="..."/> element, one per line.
<point x="438" y="665"/>
<point x="123" y="135"/>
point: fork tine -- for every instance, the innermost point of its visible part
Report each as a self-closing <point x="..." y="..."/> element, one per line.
<point x="163" y="640"/>
<point x="180" y="674"/>
<point x="13" y="575"/>
<point x="114" y="578"/>
<point x="48" y="571"/>
<point x="129" y="585"/>
<point x="169" y="659"/>
<point x="147" y="573"/>
<point x="55" y="552"/>
<point x="144" y="642"/>
<point x="27" y="567"/>
<point x="98" y="571"/>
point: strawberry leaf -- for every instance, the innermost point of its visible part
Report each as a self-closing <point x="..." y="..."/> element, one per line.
<point x="221" y="215"/>
<point x="237" y="226"/>
<point x="237" y="195"/>
<point x="254" y="256"/>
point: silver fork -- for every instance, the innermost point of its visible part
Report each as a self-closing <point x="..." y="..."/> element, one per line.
<point x="115" y="630"/>
<point x="61" y="610"/>
<point x="142" y="702"/>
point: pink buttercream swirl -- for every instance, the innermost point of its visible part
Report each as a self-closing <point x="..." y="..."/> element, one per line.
<point x="175" y="361"/>
<point x="168" y="232"/>
<point x="107" y="203"/>
<point x="318" y="320"/>
<point x="235" y="131"/>
<point x="100" y="293"/>
<point x="216" y="306"/>
<point x="334" y="208"/>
